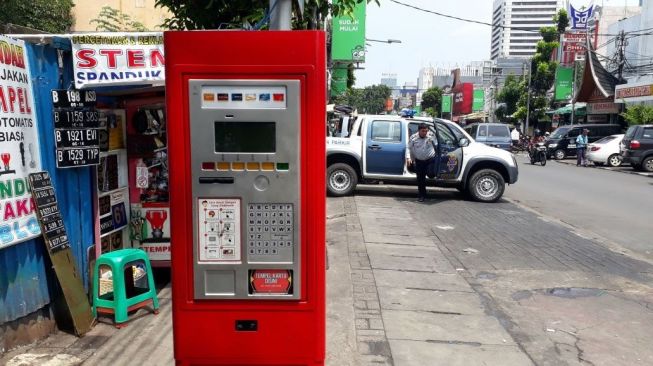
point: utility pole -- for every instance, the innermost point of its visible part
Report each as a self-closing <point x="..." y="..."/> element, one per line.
<point x="280" y="14"/>
<point x="528" y="98"/>
<point x="621" y="59"/>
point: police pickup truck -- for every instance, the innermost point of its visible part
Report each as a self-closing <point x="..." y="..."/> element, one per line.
<point x="369" y="149"/>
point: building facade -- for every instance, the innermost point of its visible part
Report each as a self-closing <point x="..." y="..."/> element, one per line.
<point x="516" y="24"/>
<point x="142" y="11"/>
<point x="390" y="80"/>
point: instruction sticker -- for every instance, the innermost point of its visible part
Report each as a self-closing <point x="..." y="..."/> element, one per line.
<point x="219" y="230"/>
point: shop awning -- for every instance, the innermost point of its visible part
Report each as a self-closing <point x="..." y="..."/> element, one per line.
<point x="477" y="115"/>
<point x="580" y="109"/>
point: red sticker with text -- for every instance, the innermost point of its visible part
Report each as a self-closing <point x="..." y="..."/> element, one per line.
<point x="270" y="281"/>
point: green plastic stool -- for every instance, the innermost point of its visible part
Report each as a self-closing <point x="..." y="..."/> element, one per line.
<point x="125" y="297"/>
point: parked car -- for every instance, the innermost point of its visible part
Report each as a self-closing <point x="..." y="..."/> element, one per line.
<point x="637" y="147"/>
<point x="605" y="151"/>
<point x="562" y="142"/>
<point x="375" y="151"/>
<point x="492" y="134"/>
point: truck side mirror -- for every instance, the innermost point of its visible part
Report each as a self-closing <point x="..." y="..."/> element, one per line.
<point x="463" y="142"/>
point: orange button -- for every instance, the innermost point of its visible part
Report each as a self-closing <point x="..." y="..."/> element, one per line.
<point x="209" y="97"/>
<point x="253" y="166"/>
<point x="224" y="166"/>
<point x="267" y="166"/>
<point x="237" y="165"/>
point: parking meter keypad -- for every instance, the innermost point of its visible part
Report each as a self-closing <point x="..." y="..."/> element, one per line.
<point x="270" y="232"/>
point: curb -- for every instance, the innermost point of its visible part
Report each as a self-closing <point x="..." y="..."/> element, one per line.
<point x="650" y="175"/>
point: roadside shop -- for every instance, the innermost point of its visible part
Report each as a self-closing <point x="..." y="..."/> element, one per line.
<point x="89" y="109"/>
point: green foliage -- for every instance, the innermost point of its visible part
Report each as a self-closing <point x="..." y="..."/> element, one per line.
<point x="370" y="99"/>
<point x="53" y="16"/>
<point x="512" y="90"/>
<point x="562" y="20"/>
<point x="351" y="78"/>
<point x="220" y="14"/>
<point x="501" y="113"/>
<point x="542" y="70"/>
<point x="638" y="114"/>
<point x="432" y="100"/>
<point x="114" y="20"/>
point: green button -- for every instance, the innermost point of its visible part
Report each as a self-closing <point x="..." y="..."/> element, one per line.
<point x="283" y="166"/>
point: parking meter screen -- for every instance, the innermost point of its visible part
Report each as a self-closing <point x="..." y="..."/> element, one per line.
<point x="245" y="137"/>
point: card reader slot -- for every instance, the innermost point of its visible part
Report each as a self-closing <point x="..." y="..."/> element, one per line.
<point x="216" y="180"/>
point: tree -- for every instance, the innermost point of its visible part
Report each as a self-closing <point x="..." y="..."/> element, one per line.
<point x="432" y="101"/>
<point x="53" y="16"/>
<point x="217" y="14"/>
<point x="370" y="99"/>
<point x="638" y="114"/>
<point x="114" y="20"/>
<point x="512" y="90"/>
<point x="542" y="71"/>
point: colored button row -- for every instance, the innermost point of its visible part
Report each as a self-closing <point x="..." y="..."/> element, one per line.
<point x="242" y="166"/>
<point x="239" y="97"/>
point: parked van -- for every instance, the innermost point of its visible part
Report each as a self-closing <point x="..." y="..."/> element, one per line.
<point x="562" y="142"/>
<point x="491" y="134"/>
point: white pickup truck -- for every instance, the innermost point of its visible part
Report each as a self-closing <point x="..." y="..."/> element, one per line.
<point x="372" y="149"/>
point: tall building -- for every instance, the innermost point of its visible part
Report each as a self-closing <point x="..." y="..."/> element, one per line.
<point x="390" y="80"/>
<point x="142" y="11"/>
<point x="473" y="73"/>
<point x="425" y="78"/>
<point x="523" y="18"/>
<point x="609" y="18"/>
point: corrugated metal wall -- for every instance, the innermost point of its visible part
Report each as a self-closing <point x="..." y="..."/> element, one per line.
<point x="24" y="277"/>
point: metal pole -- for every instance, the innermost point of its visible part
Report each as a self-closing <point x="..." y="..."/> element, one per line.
<point x="280" y="14"/>
<point x="573" y="91"/>
<point x="528" y="99"/>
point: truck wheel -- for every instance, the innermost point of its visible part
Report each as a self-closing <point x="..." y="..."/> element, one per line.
<point x="341" y="179"/>
<point x="647" y="164"/>
<point x="559" y="154"/>
<point x="486" y="185"/>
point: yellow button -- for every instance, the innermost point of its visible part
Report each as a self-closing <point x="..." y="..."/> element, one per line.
<point x="253" y="166"/>
<point x="224" y="166"/>
<point x="267" y="166"/>
<point x="237" y="165"/>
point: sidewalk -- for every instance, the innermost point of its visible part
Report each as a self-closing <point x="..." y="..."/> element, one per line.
<point x="392" y="299"/>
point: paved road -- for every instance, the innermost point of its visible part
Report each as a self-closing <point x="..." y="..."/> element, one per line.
<point x="614" y="205"/>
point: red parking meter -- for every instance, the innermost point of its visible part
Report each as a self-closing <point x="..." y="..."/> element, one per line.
<point x="246" y="114"/>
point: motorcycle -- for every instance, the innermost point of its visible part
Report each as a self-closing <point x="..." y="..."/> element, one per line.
<point x="537" y="153"/>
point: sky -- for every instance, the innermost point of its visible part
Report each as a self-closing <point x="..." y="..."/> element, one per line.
<point x="428" y="39"/>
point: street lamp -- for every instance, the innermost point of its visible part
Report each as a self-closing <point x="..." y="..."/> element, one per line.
<point x="383" y="41"/>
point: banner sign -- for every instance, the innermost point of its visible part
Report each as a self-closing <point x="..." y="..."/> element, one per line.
<point x="338" y="81"/>
<point x="19" y="145"/>
<point x="101" y="59"/>
<point x="602" y="108"/>
<point x="446" y="103"/>
<point x="479" y="100"/>
<point x="580" y="18"/>
<point x="463" y="95"/>
<point x="634" y="92"/>
<point x="563" y="83"/>
<point x="348" y="36"/>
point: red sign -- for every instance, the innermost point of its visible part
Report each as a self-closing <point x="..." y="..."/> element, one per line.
<point x="463" y="97"/>
<point x="271" y="281"/>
